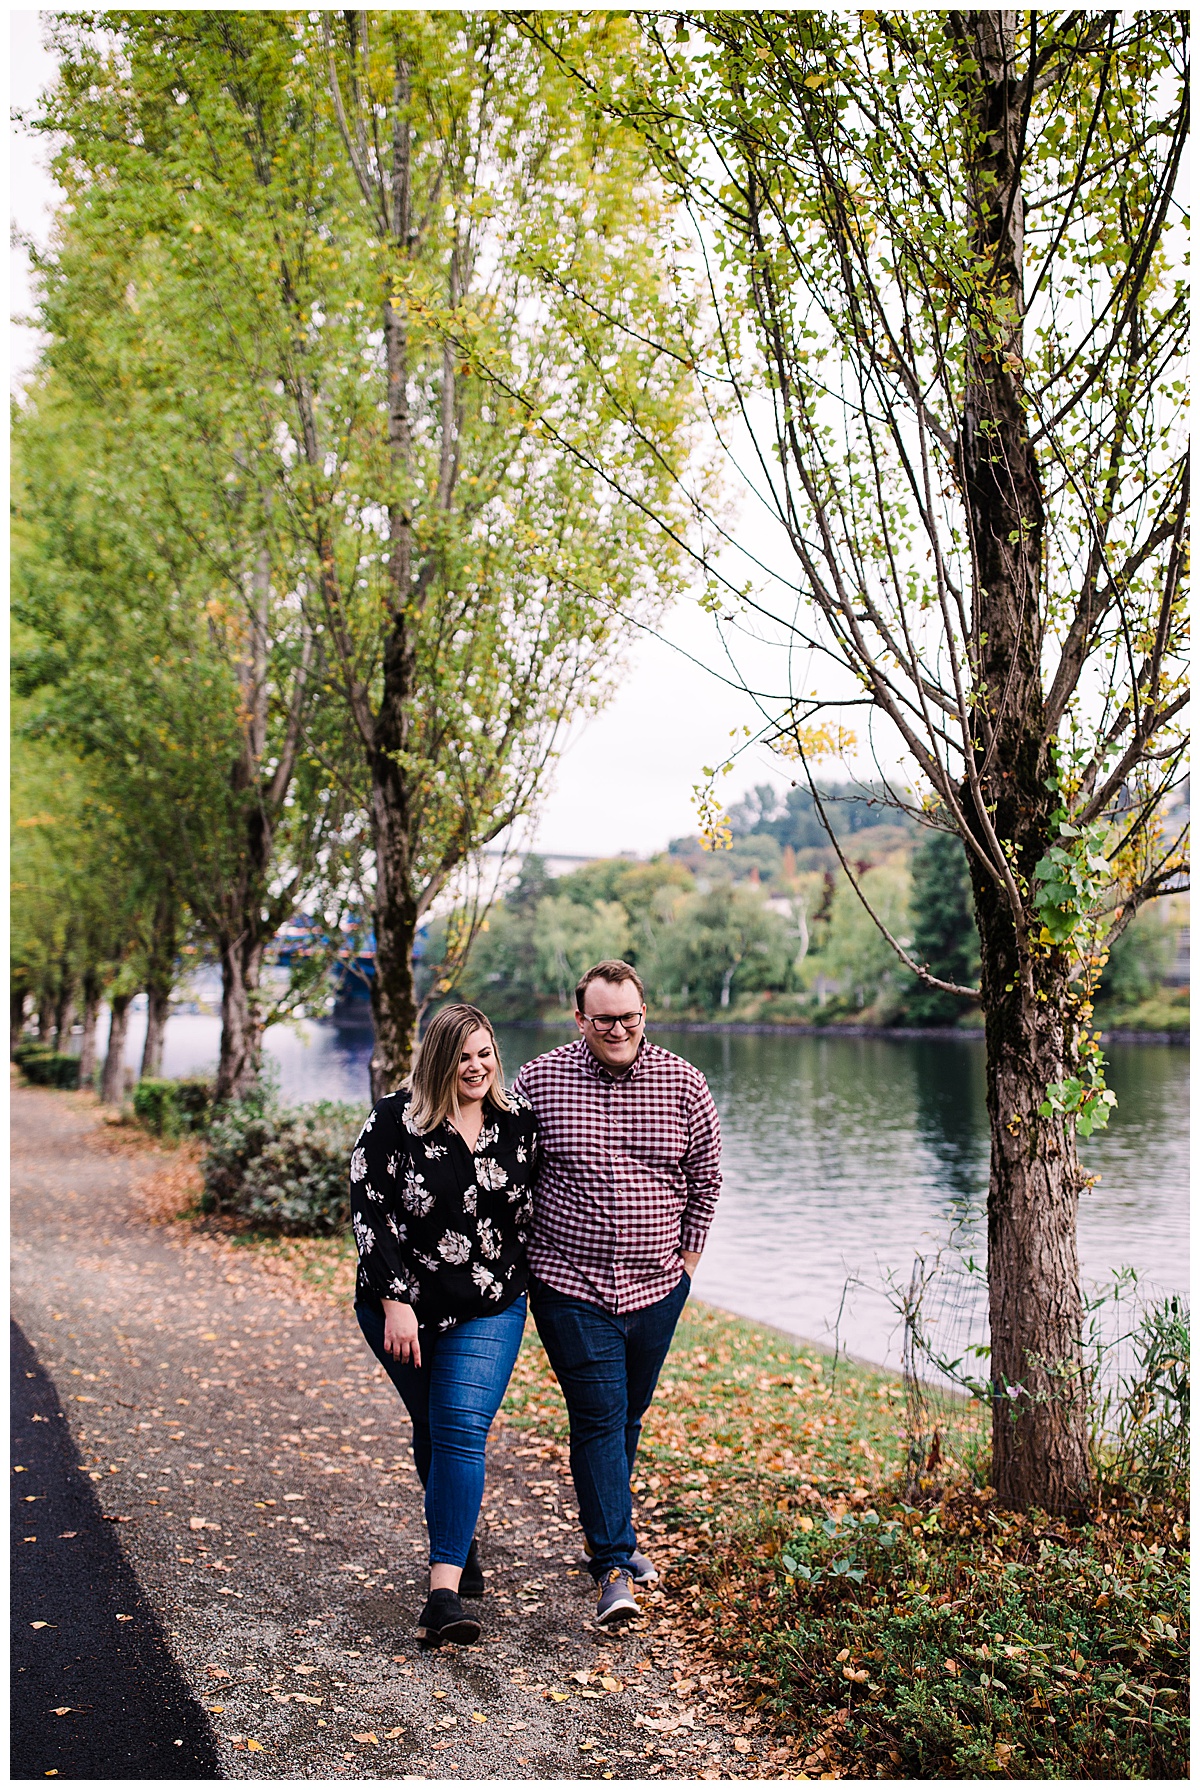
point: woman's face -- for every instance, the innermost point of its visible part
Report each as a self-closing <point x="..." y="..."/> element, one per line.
<point x="476" y="1066"/>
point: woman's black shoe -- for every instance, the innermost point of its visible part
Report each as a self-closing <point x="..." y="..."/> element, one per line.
<point x="444" y="1619"/>
<point x="471" y="1584"/>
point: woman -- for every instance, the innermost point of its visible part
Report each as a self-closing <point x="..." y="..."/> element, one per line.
<point x="440" y="1185"/>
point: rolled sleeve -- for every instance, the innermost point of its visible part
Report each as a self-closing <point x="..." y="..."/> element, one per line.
<point x="701" y="1170"/>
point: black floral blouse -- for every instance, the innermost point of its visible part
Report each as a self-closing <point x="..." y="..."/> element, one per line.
<point x="437" y="1225"/>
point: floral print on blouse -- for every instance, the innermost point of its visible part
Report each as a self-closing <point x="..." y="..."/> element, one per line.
<point x="437" y="1225"/>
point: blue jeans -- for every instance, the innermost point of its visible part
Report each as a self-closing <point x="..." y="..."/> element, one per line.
<point x="608" y="1366"/>
<point x="452" y="1398"/>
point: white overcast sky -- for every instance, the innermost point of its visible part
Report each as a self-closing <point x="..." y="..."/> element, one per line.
<point x="625" y="778"/>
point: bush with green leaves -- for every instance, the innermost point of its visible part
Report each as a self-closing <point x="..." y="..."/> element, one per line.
<point x="47" y="1068"/>
<point x="282" y="1169"/>
<point x="173" y="1109"/>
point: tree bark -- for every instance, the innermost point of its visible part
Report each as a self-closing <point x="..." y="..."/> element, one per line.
<point x="91" y="991"/>
<point x="160" y="979"/>
<point x="112" y="1083"/>
<point x="241" y="1017"/>
<point x="1039" y="1430"/>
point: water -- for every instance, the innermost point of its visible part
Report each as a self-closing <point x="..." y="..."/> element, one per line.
<point x="844" y="1157"/>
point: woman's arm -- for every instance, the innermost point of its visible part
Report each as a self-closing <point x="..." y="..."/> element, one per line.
<point x="380" y="1234"/>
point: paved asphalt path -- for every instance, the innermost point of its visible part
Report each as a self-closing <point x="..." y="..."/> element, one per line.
<point x="95" y="1689"/>
<point x="236" y="1469"/>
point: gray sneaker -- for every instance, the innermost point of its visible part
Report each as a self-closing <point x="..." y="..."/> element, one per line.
<point x="642" y="1570"/>
<point x="617" y="1602"/>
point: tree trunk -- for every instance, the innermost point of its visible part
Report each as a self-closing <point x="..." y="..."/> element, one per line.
<point x="160" y="979"/>
<point x="112" y="1084"/>
<point x="64" y="1007"/>
<point x="393" y="997"/>
<point x="18" y="1000"/>
<point x="1039" y="1417"/>
<point x="241" y="1017"/>
<point x="1039" y="1429"/>
<point x="91" y="1012"/>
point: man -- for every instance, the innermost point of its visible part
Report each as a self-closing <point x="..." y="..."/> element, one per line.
<point x="627" y="1184"/>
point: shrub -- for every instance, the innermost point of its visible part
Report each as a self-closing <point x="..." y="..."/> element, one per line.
<point x="283" y="1169"/>
<point x="48" y="1068"/>
<point x="173" y="1108"/>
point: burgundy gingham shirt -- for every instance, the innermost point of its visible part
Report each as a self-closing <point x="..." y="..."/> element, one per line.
<point x="628" y="1177"/>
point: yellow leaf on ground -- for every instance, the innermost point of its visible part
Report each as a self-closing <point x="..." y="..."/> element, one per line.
<point x="366" y="1739"/>
<point x="476" y="1717"/>
<point x="255" y="1746"/>
<point x="612" y="1684"/>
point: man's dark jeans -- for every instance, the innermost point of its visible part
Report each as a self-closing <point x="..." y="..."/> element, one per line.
<point x="608" y="1366"/>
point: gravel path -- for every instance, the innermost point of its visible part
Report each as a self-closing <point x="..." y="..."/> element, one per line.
<point x="257" y="1463"/>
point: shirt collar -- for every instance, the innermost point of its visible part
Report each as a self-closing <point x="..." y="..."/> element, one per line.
<point x="596" y="1068"/>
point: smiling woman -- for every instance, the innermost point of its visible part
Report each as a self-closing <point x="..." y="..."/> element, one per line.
<point x="440" y="1182"/>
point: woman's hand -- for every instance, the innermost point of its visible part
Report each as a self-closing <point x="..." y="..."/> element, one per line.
<point x="400" y="1332"/>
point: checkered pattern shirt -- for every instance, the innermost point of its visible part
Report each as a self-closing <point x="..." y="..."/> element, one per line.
<point x="629" y="1173"/>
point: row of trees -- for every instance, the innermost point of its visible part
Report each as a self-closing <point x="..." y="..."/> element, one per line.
<point x="367" y="426"/>
<point x="313" y="559"/>
<point x="794" y="946"/>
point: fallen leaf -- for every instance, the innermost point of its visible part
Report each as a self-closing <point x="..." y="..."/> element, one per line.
<point x="612" y="1684"/>
<point x="393" y="1733"/>
<point x="304" y="1668"/>
<point x="476" y="1717"/>
<point x="43" y="1625"/>
<point x="1003" y="1752"/>
<point x="65" y="1710"/>
<point x="217" y="1672"/>
<point x="855" y="1677"/>
<point x="216" y="1709"/>
<point x="255" y="1746"/>
<point x="300" y="1697"/>
<point x="554" y="1696"/>
<point x="68" y="1535"/>
<point x="121" y="1618"/>
<point x="741" y="1746"/>
<point x="294" y="1497"/>
<point x="582" y="1677"/>
<point x="366" y="1739"/>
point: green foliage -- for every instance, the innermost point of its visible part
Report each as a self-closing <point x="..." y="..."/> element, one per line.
<point x="944" y="935"/>
<point x="855" y="951"/>
<point x="172" y="1109"/>
<point x="1154" y="1422"/>
<point x="715" y="945"/>
<point x="282" y="1169"/>
<point x="45" y="1067"/>
<point x="1069" y="877"/>
<point x="965" y="1642"/>
<point x="1082" y="1097"/>
<point x="1137" y="961"/>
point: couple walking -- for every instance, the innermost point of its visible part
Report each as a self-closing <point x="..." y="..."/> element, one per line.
<point x="587" y="1189"/>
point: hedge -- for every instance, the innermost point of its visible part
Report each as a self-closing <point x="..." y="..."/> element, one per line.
<point x="283" y="1169"/>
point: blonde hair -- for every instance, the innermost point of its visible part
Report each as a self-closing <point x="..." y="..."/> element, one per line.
<point x="433" y="1077"/>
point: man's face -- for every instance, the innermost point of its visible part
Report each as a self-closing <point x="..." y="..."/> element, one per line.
<point x="613" y="1044"/>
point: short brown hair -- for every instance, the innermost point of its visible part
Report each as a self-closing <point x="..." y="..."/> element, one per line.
<point x="611" y="970"/>
<point x="433" y="1077"/>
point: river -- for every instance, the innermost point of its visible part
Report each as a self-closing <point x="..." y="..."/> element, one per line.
<point x="844" y="1158"/>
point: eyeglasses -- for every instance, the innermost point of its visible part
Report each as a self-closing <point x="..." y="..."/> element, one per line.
<point x="605" y="1022"/>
